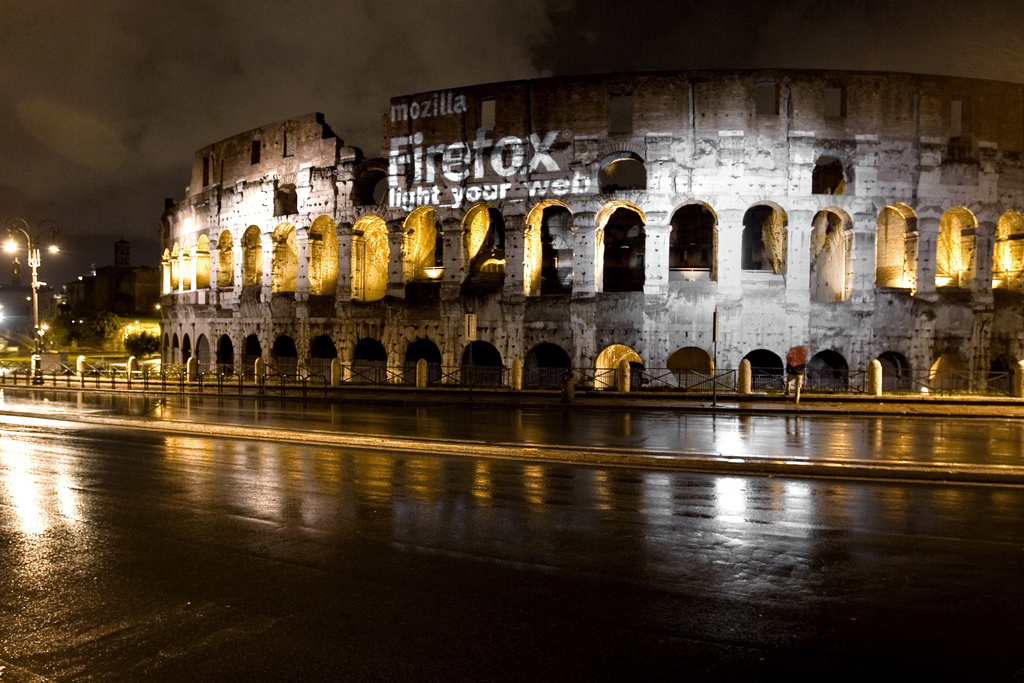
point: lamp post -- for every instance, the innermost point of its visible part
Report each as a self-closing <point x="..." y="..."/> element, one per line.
<point x="46" y="229"/>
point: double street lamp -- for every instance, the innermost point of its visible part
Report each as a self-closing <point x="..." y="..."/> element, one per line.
<point x="46" y="230"/>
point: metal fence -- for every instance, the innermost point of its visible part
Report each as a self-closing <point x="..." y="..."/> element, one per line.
<point x="174" y="378"/>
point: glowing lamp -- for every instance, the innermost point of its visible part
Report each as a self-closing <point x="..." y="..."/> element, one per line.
<point x="10" y="246"/>
<point x="54" y="249"/>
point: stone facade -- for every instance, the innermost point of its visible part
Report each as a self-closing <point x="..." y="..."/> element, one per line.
<point x="583" y="221"/>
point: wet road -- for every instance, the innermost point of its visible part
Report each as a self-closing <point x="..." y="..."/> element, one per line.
<point x="131" y="555"/>
<point x="978" y="441"/>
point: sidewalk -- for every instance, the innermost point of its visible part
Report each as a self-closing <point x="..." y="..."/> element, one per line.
<point x="758" y="403"/>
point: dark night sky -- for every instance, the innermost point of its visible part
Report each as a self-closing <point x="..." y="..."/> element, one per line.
<point x="103" y="103"/>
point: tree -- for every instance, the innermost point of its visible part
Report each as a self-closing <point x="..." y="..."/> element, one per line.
<point x="141" y="344"/>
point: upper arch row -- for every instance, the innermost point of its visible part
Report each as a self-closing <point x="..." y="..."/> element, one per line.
<point x="553" y="251"/>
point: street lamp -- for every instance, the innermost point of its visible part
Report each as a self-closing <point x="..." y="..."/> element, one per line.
<point x="45" y="230"/>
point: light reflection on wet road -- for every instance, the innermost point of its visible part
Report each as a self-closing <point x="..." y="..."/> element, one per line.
<point x="140" y="555"/>
<point x="931" y="440"/>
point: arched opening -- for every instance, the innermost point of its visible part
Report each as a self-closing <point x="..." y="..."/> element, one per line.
<point x="831" y="266"/>
<point x="693" y="241"/>
<point x="322" y="352"/>
<point x="607" y="363"/>
<point x="203" y="262"/>
<point x="622" y="171"/>
<point x="252" y="258"/>
<point x="692" y="367"/>
<point x="175" y="267"/>
<point x="828" y="176"/>
<point x="426" y="350"/>
<point x="225" y="355"/>
<point x="186" y="349"/>
<point x="175" y="350"/>
<point x="948" y="374"/>
<point x="481" y="365"/>
<point x="896" y="248"/>
<point x="1008" y="259"/>
<point x="763" y="245"/>
<point x="549" y="250"/>
<point x="1000" y="374"/>
<point x="285" y="271"/>
<point x="955" y="262"/>
<point x="322" y="273"/>
<point x="625" y="244"/>
<point x="370" y="184"/>
<point x="285" y="355"/>
<point x="424" y="246"/>
<point x="545" y="365"/>
<point x="165" y="265"/>
<point x="251" y="352"/>
<point x="202" y="354"/>
<point x="286" y="200"/>
<point x="484" y="242"/>
<point x="895" y="372"/>
<point x="767" y="369"/>
<point x="186" y="267"/>
<point x="369" y="362"/>
<point x="370" y="255"/>
<point x="827" y="371"/>
<point x="225" y="260"/>
<point x="165" y="355"/>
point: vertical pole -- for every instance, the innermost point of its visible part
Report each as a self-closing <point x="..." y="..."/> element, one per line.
<point x="714" y="360"/>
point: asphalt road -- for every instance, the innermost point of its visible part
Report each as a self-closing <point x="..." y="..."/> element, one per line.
<point x="132" y="555"/>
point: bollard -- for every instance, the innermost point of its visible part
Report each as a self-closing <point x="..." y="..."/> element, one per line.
<point x="1018" y="380"/>
<point x="516" y="380"/>
<point x="568" y="387"/>
<point x="80" y="367"/>
<point x="422" y="373"/>
<point x="131" y="368"/>
<point x="335" y="372"/>
<point x="259" y="368"/>
<point x="192" y="368"/>
<point x="744" y="378"/>
<point x="622" y="377"/>
<point x="875" y="378"/>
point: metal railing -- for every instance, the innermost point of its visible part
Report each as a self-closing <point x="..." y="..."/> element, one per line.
<point x="175" y="378"/>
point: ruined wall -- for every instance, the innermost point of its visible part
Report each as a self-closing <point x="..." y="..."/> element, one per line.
<point x="796" y="168"/>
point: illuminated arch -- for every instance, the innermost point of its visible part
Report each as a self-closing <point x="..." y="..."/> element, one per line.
<point x="608" y="361"/>
<point x="252" y="258"/>
<point x="955" y="262"/>
<point x="186" y="271"/>
<point x="1008" y="260"/>
<point x="423" y="246"/>
<point x="622" y="243"/>
<point x="370" y="254"/>
<point x="202" y="354"/>
<point x="323" y="257"/>
<point x="548" y="249"/>
<point x="484" y="246"/>
<point x="689" y="360"/>
<point x="831" y="265"/>
<point x="226" y="260"/>
<point x="896" y="247"/>
<point x="948" y="373"/>
<point x="202" y="262"/>
<point x="252" y="351"/>
<point x="765" y="234"/>
<point x="166" y="267"/>
<point x="285" y="266"/>
<point x="175" y="262"/>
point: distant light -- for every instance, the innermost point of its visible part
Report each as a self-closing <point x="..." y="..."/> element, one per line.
<point x="54" y="249"/>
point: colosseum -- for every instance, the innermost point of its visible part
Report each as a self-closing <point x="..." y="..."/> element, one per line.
<point x="519" y="229"/>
